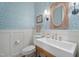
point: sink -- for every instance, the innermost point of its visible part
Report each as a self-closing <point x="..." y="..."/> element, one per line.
<point x="56" y="47"/>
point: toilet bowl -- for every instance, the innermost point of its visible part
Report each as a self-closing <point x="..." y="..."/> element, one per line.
<point x="29" y="51"/>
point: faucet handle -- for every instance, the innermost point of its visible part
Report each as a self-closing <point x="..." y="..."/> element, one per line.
<point x="56" y="36"/>
<point x="52" y="36"/>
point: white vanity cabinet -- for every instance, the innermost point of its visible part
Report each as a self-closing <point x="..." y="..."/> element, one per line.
<point x="56" y="48"/>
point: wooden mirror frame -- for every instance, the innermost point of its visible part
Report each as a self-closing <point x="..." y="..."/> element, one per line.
<point x="65" y="22"/>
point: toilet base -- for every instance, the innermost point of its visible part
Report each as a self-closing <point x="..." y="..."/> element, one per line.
<point x="30" y="55"/>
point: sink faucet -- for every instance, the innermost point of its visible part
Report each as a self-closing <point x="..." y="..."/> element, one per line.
<point x="56" y="37"/>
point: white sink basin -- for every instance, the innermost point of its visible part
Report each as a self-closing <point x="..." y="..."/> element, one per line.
<point x="57" y="48"/>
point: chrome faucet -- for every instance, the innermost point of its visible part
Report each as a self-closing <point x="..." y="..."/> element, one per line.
<point x="54" y="36"/>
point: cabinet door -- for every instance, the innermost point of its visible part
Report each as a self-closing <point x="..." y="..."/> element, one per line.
<point x="43" y="53"/>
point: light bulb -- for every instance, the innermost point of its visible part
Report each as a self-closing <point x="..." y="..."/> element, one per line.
<point x="45" y="12"/>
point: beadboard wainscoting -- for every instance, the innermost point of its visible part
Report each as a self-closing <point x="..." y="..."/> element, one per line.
<point x="13" y="41"/>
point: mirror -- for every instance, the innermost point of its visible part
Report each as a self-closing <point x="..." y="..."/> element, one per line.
<point x="58" y="15"/>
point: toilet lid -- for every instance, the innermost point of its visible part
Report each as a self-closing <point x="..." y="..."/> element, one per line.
<point x="29" y="48"/>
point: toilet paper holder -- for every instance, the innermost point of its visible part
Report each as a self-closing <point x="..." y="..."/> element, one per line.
<point x="17" y="42"/>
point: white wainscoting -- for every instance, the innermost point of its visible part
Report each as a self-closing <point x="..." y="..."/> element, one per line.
<point x="8" y="44"/>
<point x="8" y="47"/>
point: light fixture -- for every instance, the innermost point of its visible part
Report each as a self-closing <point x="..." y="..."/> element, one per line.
<point x="75" y="10"/>
<point x="46" y="14"/>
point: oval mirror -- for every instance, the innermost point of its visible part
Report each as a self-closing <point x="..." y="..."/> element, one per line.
<point x="58" y="13"/>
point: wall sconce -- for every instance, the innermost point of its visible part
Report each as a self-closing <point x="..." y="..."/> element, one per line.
<point x="46" y="14"/>
<point x="75" y="10"/>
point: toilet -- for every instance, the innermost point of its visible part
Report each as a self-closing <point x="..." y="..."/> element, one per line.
<point x="29" y="51"/>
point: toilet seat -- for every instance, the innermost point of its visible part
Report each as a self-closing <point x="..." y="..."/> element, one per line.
<point x="28" y="50"/>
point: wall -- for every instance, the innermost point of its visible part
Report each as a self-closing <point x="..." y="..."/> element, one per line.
<point x="73" y="19"/>
<point x="39" y="10"/>
<point x="40" y="7"/>
<point x="16" y="15"/>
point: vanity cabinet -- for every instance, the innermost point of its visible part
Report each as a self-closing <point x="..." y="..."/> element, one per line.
<point x="42" y="52"/>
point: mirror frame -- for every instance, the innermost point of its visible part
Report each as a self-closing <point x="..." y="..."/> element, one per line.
<point x="61" y="14"/>
<point x="64" y="24"/>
